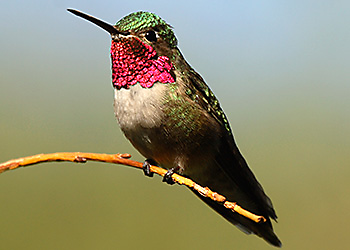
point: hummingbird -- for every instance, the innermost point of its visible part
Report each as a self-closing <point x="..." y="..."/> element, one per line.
<point x="171" y="116"/>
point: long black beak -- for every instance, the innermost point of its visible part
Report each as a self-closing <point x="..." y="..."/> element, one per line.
<point x="106" y="26"/>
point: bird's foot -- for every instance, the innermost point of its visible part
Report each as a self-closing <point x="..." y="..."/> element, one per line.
<point x="168" y="175"/>
<point x="146" y="167"/>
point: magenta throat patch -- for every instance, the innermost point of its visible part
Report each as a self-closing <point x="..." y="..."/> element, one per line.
<point x="136" y="62"/>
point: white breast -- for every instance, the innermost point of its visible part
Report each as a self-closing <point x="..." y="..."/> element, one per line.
<point x="138" y="106"/>
<point x="139" y="114"/>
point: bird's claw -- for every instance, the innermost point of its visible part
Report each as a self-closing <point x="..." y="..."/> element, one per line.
<point x="146" y="167"/>
<point x="168" y="176"/>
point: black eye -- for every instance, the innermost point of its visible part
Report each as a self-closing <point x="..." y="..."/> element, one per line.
<point x="151" y="36"/>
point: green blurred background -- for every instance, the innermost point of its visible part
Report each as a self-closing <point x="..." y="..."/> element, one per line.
<point x="281" y="72"/>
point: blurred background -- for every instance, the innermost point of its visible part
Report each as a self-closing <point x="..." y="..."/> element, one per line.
<point x="281" y="72"/>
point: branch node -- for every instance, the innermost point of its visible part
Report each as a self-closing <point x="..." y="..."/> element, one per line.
<point x="218" y="197"/>
<point x="125" y="156"/>
<point x="80" y="159"/>
<point x="201" y="190"/>
<point x="230" y="205"/>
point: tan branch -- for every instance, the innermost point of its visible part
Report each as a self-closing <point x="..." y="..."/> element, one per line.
<point x="124" y="160"/>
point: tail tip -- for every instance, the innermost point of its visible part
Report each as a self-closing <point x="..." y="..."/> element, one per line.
<point x="274" y="241"/>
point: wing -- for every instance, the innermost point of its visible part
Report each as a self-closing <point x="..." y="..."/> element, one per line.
<point x="231" y="161"/>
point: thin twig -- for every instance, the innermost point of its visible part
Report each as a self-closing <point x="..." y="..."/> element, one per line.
<point x="124" y="160"/>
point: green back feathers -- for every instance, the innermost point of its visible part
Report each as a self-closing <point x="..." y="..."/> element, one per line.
<point x="141" y="20"/>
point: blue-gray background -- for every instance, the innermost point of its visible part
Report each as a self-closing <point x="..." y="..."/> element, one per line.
<point x="281" y="72"/>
